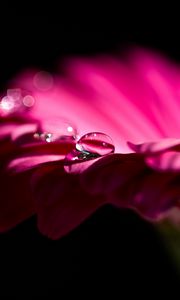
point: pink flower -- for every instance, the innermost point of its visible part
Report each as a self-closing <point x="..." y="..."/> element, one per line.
<point x="136" y="102"/>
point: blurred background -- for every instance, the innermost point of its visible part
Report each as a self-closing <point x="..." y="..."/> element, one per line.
<point x="114" y="250"/>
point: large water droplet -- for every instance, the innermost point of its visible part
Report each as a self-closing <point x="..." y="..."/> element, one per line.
<point x="15" y="101"/>
<point x="89" y="147"/>
<point x="95" y="142"/>
<point x="55" y="129"/>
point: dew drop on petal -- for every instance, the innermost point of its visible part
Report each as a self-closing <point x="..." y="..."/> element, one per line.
<point x="88" y="148"/>
<point x="56" y="129"/>
<point x="96" y="142"/>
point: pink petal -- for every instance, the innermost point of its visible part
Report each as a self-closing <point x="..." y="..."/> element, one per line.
<point x="162" y="77"/>
<point x="61" y="203"/>
<point x="16" y="202"/>
<point x="136" y="101"/>
<point x="168" y="161"/>
<point x="6" y="130"/>
<point x="111" y="172"/>
<point x="155" y="194"/>
<point x="113" y="102"/>
<point x="158" y="146"/>
<point x="30" y="156"/>
<point x="26" y="163"/>
<point x="22" y="130"/>
<point x="125" y="181"/>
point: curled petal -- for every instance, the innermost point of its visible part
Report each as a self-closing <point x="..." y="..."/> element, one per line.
<point x="168" y="161"/>
<point x="158" y="146"/>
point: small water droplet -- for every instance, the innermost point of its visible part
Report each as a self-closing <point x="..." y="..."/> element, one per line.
<point x="95" y="142"/>
<point x="55" y="129"/>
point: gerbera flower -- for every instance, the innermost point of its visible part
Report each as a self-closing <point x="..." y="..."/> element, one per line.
<point x="130" y="106"/>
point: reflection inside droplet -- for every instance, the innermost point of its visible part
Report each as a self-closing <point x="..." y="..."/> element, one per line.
<point x="96" y="142"/>
<point x="55" y="129"/>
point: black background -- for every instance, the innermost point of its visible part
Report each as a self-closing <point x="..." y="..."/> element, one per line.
<point x="114" y="250"/>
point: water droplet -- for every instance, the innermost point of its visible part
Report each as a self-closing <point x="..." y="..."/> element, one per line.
<point x="89" y="147"/>
<point x="95" y="142"/>
<point x="15" y="101"/>
<point x="55" y="129"/>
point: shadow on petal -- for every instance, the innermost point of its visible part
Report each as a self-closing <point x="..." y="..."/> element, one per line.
<point x="61" y="203"/>
<point x="16" y="201"/>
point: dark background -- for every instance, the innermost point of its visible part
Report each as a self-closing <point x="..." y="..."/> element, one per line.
<point x="114" y="250"/>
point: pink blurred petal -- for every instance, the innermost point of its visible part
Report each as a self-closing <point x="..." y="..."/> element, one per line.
<point x="6" y="130"/>
<point x="114" y="104"/>
<point x="168" y="161"/>
<point x="162" y="78"/>
<point x="26" y="163"/>
<point x="60" y="147"/>
<point x="33" y="155"/>
<point x="22" y="130"/>
<point x="158" y="146"/>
